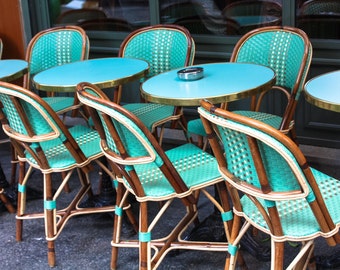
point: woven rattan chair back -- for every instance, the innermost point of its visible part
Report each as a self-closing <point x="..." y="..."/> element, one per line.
<point x="320" y="7"/>
<point x="43" y="142"/>
<point x="282" y="194"/>
<point x="164" y="47"/>
<point x="151" y="174"/>
<point x="288" y="52"/>
<point x="54" y="47"/>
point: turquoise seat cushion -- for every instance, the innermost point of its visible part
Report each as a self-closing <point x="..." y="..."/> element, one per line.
<point x="194" y="166"/>
<point x="297" y="218"/>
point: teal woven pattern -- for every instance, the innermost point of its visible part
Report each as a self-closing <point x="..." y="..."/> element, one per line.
<point x="270" y="119"/>
<point x="320" y="7"/>
<point x="38" y="122"/>
<point x="150" y="113"/>
<point x="195" y="166"/>
<point x="163" y="49"/>
<point x="240" y="161"/>
<point x="58" y="155"/>
<point x="282" y="51"/>
<point x="195" y="126"/>
<point x="296" y="216"/>
<point x="48" y="135"/>
<point x="59" y="103"/>
<point x="12" y="114"/>
<point x="133" y="145"/>
<point x="54" y="49"/>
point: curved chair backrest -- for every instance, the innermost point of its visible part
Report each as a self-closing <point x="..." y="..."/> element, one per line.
<point x="241" y="157"/>
<point x="320" y="7"/>
<point x="164" y="47"/>
<point x="31" y="123"/>
<point x="262" y="162"/>
<point x="287" y="50"/>
<point x="53" y="47"/>
<point x="76" y="16"/>
<point x="126" y="141"/>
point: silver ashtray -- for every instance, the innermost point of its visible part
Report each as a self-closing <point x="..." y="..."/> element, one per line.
<point x="190" y="73"/>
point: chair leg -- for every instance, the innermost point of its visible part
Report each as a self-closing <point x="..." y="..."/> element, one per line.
<point x="277" y="255"/>
<point x="121" y="198"/>
<point x="21" y="204"/>
<point x="14" y="161"/>
<point x="50" y="221"/>
<point x="6" y="202"/>
<point x="144" y="247"/>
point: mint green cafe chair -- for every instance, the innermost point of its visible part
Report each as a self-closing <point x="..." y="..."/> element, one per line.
<point x="45" y="145"/>
<point x="288" y="51"/>
<point x="271" y="187"/>
<point x="173" y="178"/>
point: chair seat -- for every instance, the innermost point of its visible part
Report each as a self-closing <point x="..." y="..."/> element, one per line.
<point x="60" y="104"/>
<point x="298" y="221"/>
<point x="152" y="114"/>
<point x="195" y="166"/>
<point x="59" y="158"/>
<point x="195" y="126"/>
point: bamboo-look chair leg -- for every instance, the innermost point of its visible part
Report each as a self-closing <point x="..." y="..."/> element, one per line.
<point x="14" y="161"/>
<point x="49" y="220"/>
<point x="277" y="255"/>
<point x="6" y="202"/>
<point x="121" y="195"/>
<point x="144" y="246"/>
<point x="21" y="204"/>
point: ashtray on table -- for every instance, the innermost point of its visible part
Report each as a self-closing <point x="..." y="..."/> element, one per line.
<point x="190" y="73"/>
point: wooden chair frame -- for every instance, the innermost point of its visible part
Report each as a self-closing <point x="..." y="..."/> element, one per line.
<point x="264" y="191"/>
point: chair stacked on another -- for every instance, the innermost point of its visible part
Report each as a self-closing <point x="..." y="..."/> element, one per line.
<point x="164" y="47"/>
<point x="288" y="52"/>
<point x="44" y="143"/>
<point x="271" y="186"/>
<point x="153" y="175"/>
